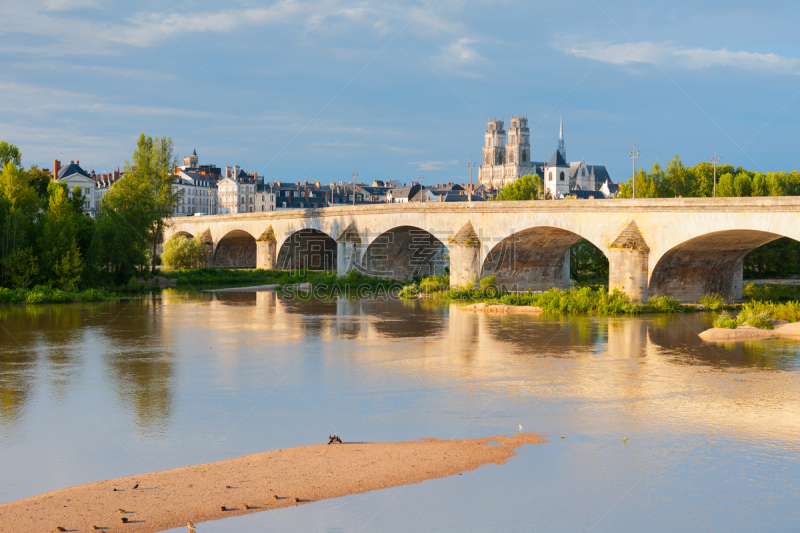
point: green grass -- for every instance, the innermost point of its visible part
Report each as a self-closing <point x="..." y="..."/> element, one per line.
<point x="42" y="294"/>
<point x="771" y="293"/>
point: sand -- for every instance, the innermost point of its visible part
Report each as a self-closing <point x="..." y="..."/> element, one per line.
<point x="253" y="288"/>
<point x="169" y="499"/>
<point x="746" y="333"/>
<point x="502" y="309"/>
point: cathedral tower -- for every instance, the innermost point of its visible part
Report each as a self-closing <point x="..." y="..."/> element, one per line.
<point x="518" y="150"/>
<point x="494" y="147"/>
<point x="561" y="138"/>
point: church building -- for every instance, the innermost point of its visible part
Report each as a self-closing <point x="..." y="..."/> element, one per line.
<point x="504" y="162"/>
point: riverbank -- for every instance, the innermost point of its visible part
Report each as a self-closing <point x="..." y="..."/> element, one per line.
<point x="745" y="332"/>
<point x="265" y="481"/>
<point x="46" y="295"/>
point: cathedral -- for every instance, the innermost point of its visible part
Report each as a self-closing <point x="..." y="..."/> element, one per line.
<point x="504" y="162"/>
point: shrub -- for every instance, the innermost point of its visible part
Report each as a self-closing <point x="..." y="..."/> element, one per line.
<point x="409" y="291"/>
<point x="664" y="304"/>
<point x="489" y="283"/>
<point x="725" y="320"/>
<point x="434" y="283"/>
<point x="712" y="301"/>
<point x="181" y="252"/>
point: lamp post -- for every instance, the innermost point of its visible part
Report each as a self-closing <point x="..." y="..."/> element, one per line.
<point x="470" y="165"/>
<point x="715" y="161"/>
<point x="634" y="155"/>
<point x="355" y="175"/>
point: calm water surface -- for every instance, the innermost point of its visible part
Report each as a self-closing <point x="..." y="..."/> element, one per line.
<point x="98" y="391"/>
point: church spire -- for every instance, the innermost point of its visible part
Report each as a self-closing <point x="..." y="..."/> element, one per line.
<point x="561" y="148"/>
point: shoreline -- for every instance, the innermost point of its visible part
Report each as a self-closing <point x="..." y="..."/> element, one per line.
<point x="264" y="481"/>
<point x="747" y="333"/>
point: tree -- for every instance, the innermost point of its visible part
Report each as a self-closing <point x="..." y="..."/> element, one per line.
<point x="527" y="187"/>
<point x="18" y="212"/>
<point x="9" y="153"/>
<point x="585" y="258"/>
<point x="181" y="252"/>
<point x="22" y="267"/>
<point x="39" y="180"/>
<point x="61" y="257"/>
<point x="155" y="162"/>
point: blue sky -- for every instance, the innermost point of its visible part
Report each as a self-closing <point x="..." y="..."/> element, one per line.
<point x="308" y="89"/>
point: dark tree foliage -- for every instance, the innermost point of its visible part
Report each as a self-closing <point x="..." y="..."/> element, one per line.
<point x="780" y="258"/>
<point x="587" y="261"/>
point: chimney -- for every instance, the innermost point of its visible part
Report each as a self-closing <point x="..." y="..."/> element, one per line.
<point x="78" y="162"/>
<point x="307" y="193"/>
<point x="440" y="198"/>
<point x="227" y="171"/>
<point x="56" y="168"/>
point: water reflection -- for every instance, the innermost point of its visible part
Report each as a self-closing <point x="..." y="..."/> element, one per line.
<point x="237" y="373"/>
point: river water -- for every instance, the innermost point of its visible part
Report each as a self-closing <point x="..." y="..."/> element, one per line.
<point x="97" y="391"/>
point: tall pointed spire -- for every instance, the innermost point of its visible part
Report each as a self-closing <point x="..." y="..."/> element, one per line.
<point x="561" y="148"/>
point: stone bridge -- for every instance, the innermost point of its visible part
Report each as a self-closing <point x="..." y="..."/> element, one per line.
<point x="679" y="247"/>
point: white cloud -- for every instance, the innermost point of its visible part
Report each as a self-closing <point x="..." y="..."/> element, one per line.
<point x="669" y="54"/>
<point x="69" y="5"/>
<point x="433" y="165"/>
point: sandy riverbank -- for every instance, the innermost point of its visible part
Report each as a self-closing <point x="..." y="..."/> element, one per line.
<point x="747" y="333"/>
<point x="502" y="309"/>
<point x="169" y="499"/>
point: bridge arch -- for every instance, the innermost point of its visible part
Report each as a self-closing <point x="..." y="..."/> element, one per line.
<point x="535" y="258"/>
<point x="307" y="249"/>
<point x="405" y="252"/>
<point x="236" y="249"/>
<point x="712" y="262"/>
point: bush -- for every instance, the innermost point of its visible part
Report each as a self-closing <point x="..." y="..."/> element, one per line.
<point x="434" y="284"/>
<point x="182" y="253"/>
<point x="771" y="293"/>
<point x="409" y="291"/>
<point x="712" y="301"/>
<point x="664" y="304"/>
<point x="725" y="320"/>
<point x="489" y="283"/>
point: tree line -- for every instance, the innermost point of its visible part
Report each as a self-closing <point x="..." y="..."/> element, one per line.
<point x="46" y="239"/>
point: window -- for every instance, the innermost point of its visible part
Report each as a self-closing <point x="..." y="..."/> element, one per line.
<point x="562" y="176"/>
<point x="524" y="157"/>
<point x="550" y="177"/>
<point x="583" y="172"/>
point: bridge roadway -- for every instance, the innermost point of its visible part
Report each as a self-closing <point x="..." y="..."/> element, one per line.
<point x="680" y="247"/>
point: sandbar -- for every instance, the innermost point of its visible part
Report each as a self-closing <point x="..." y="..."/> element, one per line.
<point x="169" y="499"/>
<point x="502" y="309"/>
<point x="747" y="333"/>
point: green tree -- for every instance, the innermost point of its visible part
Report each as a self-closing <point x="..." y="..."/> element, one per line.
<point x="588" y="260"/>
<point x="61" y="258"/>
<point x="527" y="187"/>
<point x="39" y="180"/>
<point x="779" y="258"/>
<point x="181" y="252"/>
<point x="22" y="266"/>
<point x="725" y="186"/>
<point x="18" y="212"/>
<point x="742" y="184"/>
<point x="680" y="179"/>
<point x="154" y="161"/>
<point x="760" y="185"/>
<point x="9" y="153"/>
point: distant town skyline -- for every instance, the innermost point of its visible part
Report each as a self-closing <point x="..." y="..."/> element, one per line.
<point x="305" y="90"/>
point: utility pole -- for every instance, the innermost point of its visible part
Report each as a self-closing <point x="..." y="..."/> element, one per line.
<point x="634" y="155"/>
<point x="715" y="162"/>
<point x="470" y="165"/>
<point x="355" y="175"/>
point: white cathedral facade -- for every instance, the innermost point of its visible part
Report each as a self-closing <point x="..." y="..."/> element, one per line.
<point x="506" y="157"/>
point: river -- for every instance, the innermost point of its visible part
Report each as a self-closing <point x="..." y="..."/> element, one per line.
<point x="98" y="391"/>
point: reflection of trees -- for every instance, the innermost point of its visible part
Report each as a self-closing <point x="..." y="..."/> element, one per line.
<point x="677" y="337"/>
<point x="54" y="328"/>
<point x="403" y="319"/>
<point x="142" y="376"/>
<point x="16" y="377"/>
<point x="542" y="334"/>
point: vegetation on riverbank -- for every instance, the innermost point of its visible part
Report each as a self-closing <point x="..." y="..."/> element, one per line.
<point x="324" y="284"/>
<point x="43" y="295"/>
<point x="583" y="300"/>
